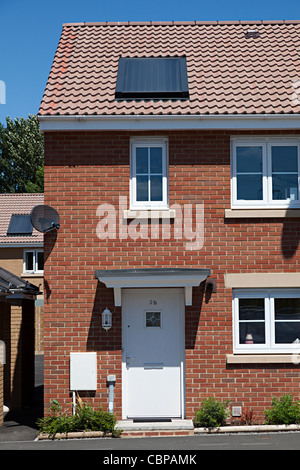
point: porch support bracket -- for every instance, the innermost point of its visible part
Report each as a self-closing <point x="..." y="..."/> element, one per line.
<point x="119" y="279"/>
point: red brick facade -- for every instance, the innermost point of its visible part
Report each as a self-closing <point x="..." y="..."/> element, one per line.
<point x="86" y="169"/>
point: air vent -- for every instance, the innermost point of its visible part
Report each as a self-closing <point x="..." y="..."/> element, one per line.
<point x="252" y="33"/>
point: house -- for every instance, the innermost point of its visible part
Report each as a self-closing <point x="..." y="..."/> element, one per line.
<point x="21" y="299"/>
<point x="172" y="158"/>
<point x="22" y="248"/>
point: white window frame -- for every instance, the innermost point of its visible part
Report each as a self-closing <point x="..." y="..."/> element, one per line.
<point x="269" y="347"/>
<point x="266" y="144"/>
<point x="147" y="205"/>
<point x="35" y="269"/>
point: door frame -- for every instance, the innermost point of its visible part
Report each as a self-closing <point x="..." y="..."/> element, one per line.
<point x="181" y="347"/>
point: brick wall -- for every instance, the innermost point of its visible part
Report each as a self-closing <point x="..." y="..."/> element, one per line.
<point x="83" y="170"/>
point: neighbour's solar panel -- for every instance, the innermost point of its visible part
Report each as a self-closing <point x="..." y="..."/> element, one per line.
<point x="143" y="78"/>
<point x="20" y="225"/>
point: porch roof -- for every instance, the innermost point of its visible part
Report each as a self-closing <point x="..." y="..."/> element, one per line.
<point x="13" y="286"/>
<point x="186" y="278"/>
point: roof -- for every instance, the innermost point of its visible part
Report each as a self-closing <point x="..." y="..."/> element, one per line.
<point x="12" y="284"/>
<point x="21" y="204"/>
<point x="230" y="70"/>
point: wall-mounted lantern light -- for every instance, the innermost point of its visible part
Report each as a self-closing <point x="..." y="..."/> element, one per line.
<point x="106" y="319"/>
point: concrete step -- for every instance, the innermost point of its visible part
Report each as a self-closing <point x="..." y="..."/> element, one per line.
<point x="177" y="427"/>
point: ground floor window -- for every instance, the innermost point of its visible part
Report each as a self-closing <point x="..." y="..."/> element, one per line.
<point x="266" y="320"/>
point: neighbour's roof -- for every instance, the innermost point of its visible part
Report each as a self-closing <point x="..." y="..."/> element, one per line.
<point x="12" y="284"/>
<point x="18" y="204"/>
<point x="233" y="67"/>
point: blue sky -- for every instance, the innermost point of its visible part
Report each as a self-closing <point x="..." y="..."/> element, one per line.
<point x="30" y="31"/>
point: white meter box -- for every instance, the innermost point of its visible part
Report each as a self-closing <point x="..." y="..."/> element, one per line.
<point x="83" y="371"/>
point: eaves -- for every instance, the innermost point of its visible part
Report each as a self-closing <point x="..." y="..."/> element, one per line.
<point x="169" y="122"/>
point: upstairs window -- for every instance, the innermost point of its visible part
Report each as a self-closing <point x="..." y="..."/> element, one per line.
<point x="33" y="261"/>
<point x="265" y="173"/>
<point x="152" y="78"/>
<point x="149" y="174"/>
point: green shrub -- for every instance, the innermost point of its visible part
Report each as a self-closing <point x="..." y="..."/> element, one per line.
<point x="212" y="413"/>
<point x="283" y="411"/>
<point x="85" y="419"/>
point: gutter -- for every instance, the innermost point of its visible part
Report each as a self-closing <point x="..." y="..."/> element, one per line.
<point x="169" y="122"/>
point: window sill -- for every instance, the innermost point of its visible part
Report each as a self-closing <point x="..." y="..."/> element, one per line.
<point x="264" y="213"/>
<point x="38" y="274"/>
<point x="150" y="214"/>
<point x="263" y="359"/>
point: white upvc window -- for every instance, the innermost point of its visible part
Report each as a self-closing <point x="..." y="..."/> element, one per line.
<point x="265" y="172"/>
<point x="266" y="321"/>
<point x="149" y="174"/>
<point x="33" y="261"/>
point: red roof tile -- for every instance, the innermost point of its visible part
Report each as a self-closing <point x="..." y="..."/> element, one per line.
<point x="227" y="72"/>
<point x="18" y="203"/>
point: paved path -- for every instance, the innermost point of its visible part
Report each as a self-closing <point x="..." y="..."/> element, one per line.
<point x="169" y="445"/>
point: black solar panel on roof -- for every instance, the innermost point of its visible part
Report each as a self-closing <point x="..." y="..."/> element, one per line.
<point x="20" y="225"/>
<point x="152" y="78"/>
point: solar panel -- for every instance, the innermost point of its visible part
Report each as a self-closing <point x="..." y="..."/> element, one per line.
<point x="20" y="225"/>
<point x="143" y="78"/>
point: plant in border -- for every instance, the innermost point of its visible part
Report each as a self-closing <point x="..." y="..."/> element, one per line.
<point x="247" y="416"/>
<point x="212" y="413"/>
<point x="283" y="411"/>
<point x="85" y="419"/>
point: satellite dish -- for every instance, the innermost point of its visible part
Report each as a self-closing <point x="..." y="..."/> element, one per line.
<point x="44" y="218"/>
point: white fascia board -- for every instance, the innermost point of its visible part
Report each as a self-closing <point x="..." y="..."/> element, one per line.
<point x="176" y="122"/>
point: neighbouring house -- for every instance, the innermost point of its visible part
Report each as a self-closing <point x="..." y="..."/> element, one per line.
<point x="21" y="296"/>
<point x="172" y="157"/>
<point x="22" y="248"/>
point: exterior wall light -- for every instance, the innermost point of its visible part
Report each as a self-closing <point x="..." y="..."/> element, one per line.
<point x="106" y="319"/>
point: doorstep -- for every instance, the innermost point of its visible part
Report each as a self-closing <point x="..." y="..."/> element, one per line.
<point x="176" y="427"/>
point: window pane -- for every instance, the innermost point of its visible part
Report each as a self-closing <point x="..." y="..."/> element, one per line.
<point x="252" y="333"/>
<point x="153" y="319"/>
<point x="40" y="261"/>
<point x="142" y="188"/>
<point x="156" y="188"/>
<point x="287" y="309"/>
<point x="251" y="309"/>
<point x="29" y="261"/>
<point x="249" y="159"/>
<point x="285" y="159"/>
<point x="285" y="186"/>
<point x="155" y="160"/>
<point x="142" y="160"/>
<point x="249" y="187"/>
<point x="287" y="332"/>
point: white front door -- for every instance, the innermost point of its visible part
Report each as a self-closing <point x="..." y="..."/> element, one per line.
<point x="153" y="353"/>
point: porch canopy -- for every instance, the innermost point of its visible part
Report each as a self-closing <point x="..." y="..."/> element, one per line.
<point x="13" y="287"/>
<point x="153" y="277"/>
